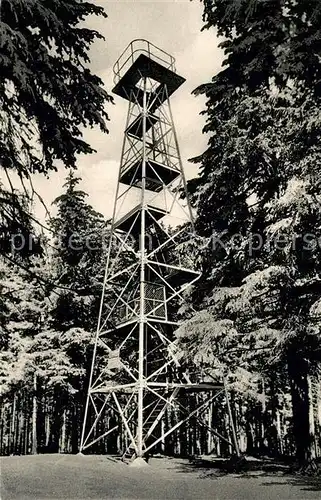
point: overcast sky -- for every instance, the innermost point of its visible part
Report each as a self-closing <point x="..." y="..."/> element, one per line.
<point x="173" y="25"/>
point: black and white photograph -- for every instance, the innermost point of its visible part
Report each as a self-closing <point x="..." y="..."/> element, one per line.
<point x="160" y="249"/>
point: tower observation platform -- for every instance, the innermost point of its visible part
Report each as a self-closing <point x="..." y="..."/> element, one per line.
<point x="141" y="59"/>
<point x="139" y="387"/>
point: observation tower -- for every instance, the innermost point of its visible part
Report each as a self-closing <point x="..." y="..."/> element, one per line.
<point x="138" y="384"/>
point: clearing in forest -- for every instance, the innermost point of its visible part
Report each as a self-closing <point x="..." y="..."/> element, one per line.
<point x="72" y="477"/>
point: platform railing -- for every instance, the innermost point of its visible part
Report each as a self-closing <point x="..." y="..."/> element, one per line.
<point x="134" y="50"/>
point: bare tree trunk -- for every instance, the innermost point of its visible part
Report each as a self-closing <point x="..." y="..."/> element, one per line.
<point x="162" y="433"/>
<point x="311" y="417"/>
<point x="26" y="426"/>
<point x="241" y="428"/>
<point x="231" y="421"/>
<point x="34" y="416"/>
<point x="56" y="420"/>
<point x="209" y="433"/>
<point x="279" y="431"/>
<point x="262" y="418"/>
<point x="21" y="424"/>
<point x="47" y="428"/>
<point x="318" y="414"/>
<point x="63" y="434"/>
<point x="12" y="429"/>
<point x="298" y="375"/>
<point x="2" y="425"/>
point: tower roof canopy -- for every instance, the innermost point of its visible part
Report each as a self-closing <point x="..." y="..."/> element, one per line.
<point x="143" y="59"/>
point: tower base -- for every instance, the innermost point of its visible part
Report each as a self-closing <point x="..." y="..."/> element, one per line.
<point x="138" y="462"/>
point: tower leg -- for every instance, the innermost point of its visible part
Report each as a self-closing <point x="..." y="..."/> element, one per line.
<point x="140" y="401"/>
<point x="142" y="346"/>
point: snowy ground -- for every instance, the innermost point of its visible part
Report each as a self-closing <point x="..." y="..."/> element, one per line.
<point x="72" y="477"/>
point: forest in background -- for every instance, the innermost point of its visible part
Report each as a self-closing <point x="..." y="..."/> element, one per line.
<point x="258" y="216"/>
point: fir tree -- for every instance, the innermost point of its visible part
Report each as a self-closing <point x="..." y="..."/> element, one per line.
<point x="47" y="89"/>
<point x="257" y="194"/>
<point x="47" y="93"/>
<point x="79" y="258"/>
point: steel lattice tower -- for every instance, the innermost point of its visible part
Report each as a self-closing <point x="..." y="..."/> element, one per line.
<point x="140" y="377"/>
